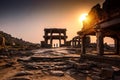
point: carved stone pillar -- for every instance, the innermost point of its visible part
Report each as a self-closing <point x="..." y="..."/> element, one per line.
<point x="116" y="46"/>
<point x="100" y="46"/>
<point x="83" y="50"/>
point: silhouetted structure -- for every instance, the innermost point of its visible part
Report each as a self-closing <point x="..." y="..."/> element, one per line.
<point x="102" y="22"/>
<point x="68" y="43"/>
<point x="54" y="33"/>
<point x="76" y="41"/>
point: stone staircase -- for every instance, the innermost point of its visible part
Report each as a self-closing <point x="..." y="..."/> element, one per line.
<point x="49" y="65"/>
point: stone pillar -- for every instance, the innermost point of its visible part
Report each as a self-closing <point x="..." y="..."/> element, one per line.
<point x="64" y="37"/>
<point x="79" y="41"/>
<point x="100" y="46"/>
<point x="46" y="34"/>
<point x="83" y="44"/>
<point x="60" y="39"/>
<point x="64" y="41"/>
<point x="46" y="40"/>
<point x="51" y="37"/>
<point x="116" y="46"/>
<point x="51" y="41"/>
<point x="75" y="42"/>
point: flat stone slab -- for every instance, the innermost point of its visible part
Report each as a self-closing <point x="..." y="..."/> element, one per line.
<point x="57" y="73"/>
<point x="52" y="57"/>
<point x="31" y="66"/>
<point x="19" y="78"/>
<point x="23" y="73"/>
<point x="25" y="59"/>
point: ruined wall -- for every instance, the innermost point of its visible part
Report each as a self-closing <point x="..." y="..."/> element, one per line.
<point x="95" y="16"/>
<point x="110" y="9"/>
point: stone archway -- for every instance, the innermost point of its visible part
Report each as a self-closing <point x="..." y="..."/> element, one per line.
<point x="55" y="33"/>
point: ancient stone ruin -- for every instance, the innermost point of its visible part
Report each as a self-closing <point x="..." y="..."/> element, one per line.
<point x="52" y="34"/>
<point x="102" y="22"/>
<point x="76" y="41"/>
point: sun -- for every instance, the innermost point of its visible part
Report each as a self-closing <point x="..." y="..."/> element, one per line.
<point x="83" y="17"/>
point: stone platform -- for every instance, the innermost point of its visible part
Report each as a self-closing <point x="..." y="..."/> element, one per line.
<point x="110" y="59"/>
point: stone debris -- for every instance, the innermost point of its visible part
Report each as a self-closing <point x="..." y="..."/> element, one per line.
<point x="116" y="74"/>
<point x="80" y="66"/>
<point x="115" y="68"/>
<point x="31" y="66"/>
<point x="107" y="73"/>
<point x="83" y="66"/>
<point x="23" y="73"/>
<point x="57" y="73"/>
<point x="27" y="59"/>
<point x="94" y="77"/>
<point x="71" y="71"/>
<point x="63" y="67"/>
<point x="19" y="78"/>
<point x="96" y="69"/>
<point x="9" y="64"/>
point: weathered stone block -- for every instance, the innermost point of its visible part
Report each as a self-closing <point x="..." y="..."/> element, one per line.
<point x="23" y="73"/>
<point x="57" y="73"/>
<point x="20" y="78"/>
<point x="107" y="73"/>
<point x="83" y="66"/>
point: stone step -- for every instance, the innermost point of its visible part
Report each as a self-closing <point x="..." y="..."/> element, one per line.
<point x="51" y="58"/>
<point x="56" y="73"/>
<point x="79" y="66"/>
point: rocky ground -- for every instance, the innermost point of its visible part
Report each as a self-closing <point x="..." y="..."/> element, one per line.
<point x="52" y="64"/>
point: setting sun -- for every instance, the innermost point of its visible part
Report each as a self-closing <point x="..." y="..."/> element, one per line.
<point x="83" y="17"/>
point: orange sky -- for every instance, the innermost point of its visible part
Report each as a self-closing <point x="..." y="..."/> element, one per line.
<point x="28" y="19"/>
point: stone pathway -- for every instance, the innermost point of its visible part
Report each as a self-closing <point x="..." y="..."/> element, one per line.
<point x="55" y="64"/>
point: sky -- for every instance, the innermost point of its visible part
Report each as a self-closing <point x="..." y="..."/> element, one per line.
<point x="27" y="19"/>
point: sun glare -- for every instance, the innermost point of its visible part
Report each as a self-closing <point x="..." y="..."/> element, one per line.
<point x="83" y="17"/>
